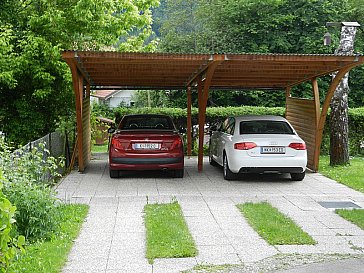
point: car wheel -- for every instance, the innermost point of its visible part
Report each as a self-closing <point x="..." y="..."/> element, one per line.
<point x="297" y="176"/>
<point x="179" y="173"/>
<point x="228" y="175"/>
<point x="114" y="174"/>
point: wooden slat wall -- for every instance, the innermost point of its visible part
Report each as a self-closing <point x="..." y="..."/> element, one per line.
<point x="301" y="113"/>
<point x="86" y="130"/>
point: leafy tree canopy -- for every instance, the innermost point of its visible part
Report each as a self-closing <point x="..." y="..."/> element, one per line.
<point x="259" y="26"/>
<point x="35" y="85"/>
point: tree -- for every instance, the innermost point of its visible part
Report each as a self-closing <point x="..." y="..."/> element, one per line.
<point x="179" y="27"/>
<point x="260" y="26"/>
<point x="35" y="83"/>
<point x="339" y="123"/>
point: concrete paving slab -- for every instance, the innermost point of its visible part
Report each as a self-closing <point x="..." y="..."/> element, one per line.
<point x="208" y="202"/>
<point x="174" y="265"/>
<point x="351" y="265"/>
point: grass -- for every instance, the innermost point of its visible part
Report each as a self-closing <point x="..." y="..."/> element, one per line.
<point x="273" y="226"/>
<point x="351" y="175"/>
<point x="99" y="148"/>
<point x="356" y="216"/>
<point x="50" y="256"/>
<point x="167" y="232"/>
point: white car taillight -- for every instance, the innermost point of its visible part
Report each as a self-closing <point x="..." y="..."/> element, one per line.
<point x="297" y="146"/>
<point x="244" y="145"/>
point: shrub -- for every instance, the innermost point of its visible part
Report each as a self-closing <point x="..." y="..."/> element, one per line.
<point x="34" y="165"/>
<point x="8" y="244"/>
<point x="36" y="215"/>
<point x="27" y="177"/>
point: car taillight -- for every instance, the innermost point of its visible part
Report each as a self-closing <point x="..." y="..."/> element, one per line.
<point x="244" y="145"/>
<point x="297" y="146"/>
<point x="116" y="144"/>
<point x="177" y="143"/>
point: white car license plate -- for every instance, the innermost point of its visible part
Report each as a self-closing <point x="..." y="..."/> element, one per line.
<point x="273" y="150"/>
<point x="146" y="146"/>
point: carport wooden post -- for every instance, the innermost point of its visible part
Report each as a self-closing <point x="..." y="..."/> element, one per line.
<point x="201" y="121"/>
<point x="189" y="121"/>
<point x="77" y="81"/>
<point x="288" y="94"/>
<point x="203" y="94"/>
<point x="316" y="97"/>
<point x="86" y="119"/>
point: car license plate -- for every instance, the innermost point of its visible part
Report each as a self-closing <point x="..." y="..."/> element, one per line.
<point x="273" y="150"/>
<point x="146" y="146"/>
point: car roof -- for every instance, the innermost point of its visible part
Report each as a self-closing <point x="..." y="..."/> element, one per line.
<point x="259" y="117"/>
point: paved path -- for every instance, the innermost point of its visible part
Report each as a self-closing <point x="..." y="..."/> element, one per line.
<point x="113" y="237"/>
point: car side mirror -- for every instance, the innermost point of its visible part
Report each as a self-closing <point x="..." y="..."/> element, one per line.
<point x="212" y="129"/>
<point x="111" y="130"/>
<point x="182" y="130"/>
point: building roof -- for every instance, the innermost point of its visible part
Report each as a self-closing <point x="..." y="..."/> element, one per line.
<point x="177" y="71"/>
<point x="104" y="94"/>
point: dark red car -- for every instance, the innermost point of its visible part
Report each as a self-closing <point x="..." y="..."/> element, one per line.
<point x="146" y="142"/>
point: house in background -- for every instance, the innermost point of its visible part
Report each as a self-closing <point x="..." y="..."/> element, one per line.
<point x="113" y="98"/>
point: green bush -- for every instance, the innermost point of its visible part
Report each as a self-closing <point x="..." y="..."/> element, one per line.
<point x="35" y="166"/>
<point x="8" y="244"/>
<point x="36" y="216"/>
<point x="356" y="129"/>
<point x="27" y="178"/>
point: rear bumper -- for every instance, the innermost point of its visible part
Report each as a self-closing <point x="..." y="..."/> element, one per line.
<point x="271" y="170"/>
<point x="241" y="162"/>
<point x="133" y="163"/>
<point x="146" y="161"/>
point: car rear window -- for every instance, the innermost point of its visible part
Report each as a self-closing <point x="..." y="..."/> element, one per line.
<point x="265" y="127"/>
<point x="146" y="122"/>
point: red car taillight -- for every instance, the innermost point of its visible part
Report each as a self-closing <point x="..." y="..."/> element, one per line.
<point x="116" y="144"/>
<point x="177" y="144"/>
<point x="297" y="146"/>
<point x="244" y="145"/>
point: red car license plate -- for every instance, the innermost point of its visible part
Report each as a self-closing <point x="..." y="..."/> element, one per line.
<point x="146" y="146"/>
<point x="273" y="150"/>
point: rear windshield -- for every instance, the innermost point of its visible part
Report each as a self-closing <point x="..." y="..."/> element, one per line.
<point x="146" y="122"/>
<point x="265" y="127"/>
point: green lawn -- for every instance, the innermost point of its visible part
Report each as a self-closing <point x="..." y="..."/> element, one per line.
<point x="350" y="175"/>
<point x="167" y="232"/>
<point x="356" y="216"/>
<point x="273" y="226"/>
<point x="50" y="256"/>
<point x="99" y="148"/>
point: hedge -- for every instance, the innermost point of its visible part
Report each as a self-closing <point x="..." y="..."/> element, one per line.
<point x="217" y="114"/>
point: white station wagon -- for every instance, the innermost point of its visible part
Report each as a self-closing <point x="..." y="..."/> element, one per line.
<point x="258" y="144"/>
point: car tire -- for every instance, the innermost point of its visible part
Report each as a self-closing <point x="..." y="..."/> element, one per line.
<point x="228" y="174"/>
<point x="297" y="176"/>
<point x="179" y="173"/>
<point x="114" y="173"/>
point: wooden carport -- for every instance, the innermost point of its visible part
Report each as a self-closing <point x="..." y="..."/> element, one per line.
<point x="159" y="71"/>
